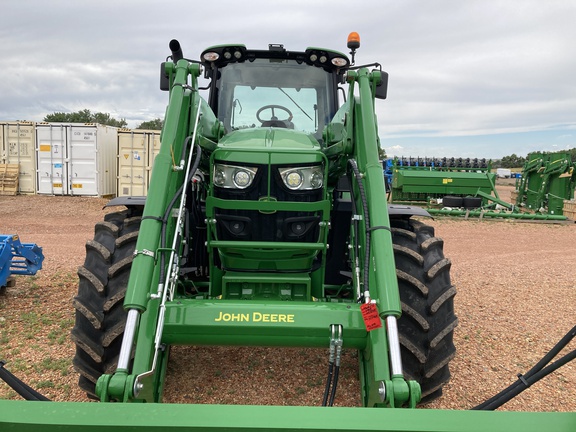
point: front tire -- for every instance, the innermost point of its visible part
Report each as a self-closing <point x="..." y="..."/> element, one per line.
<point x="100" y="316"/>
<point x="427" y="324"/>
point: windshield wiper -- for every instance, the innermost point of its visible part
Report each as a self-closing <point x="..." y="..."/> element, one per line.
<point x="294" y="102"/>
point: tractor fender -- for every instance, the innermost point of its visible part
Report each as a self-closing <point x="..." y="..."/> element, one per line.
<point x="128" y="201"/>
<point x="404" y="211"/>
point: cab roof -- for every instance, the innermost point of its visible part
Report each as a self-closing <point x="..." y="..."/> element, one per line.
<point x="221" y="55"/>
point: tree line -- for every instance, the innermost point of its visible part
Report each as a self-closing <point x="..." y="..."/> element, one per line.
<point x="87" y="116"/>
<point x="515" y="161"/>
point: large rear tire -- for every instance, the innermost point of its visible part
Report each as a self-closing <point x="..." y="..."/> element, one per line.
<point x="100" y="317"/>
<point x="427" y="324"/>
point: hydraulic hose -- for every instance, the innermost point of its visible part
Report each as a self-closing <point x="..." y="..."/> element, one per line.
<point x="334" y="385"/>
<point x="355" y="226"/>
<point x="328" y="384"/>
<point x="358" y="177"/>
<point x="533" y="375"/>
<point x="173" y="201"/>
<point x="331" y="359"/>
<point x="333" y="364"/>
<point x="19" y="386"/>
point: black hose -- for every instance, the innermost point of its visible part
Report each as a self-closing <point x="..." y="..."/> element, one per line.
<point x="19" y="386"/>
<point x="358" y="176"/>
<point x="356" y="229"/>
<point x="334" y="365"/>
<point x="533" y="375"/>
<point x="328" y="383"/>
<point x="178" y="193"/>
<point x="334" y="385"/>
<point x="523" y="383"/>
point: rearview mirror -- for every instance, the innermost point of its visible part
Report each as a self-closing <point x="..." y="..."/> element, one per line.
<point x="382" y="88"/>
<point x="164" y="79"/>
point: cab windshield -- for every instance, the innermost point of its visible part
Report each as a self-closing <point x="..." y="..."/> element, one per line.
<point x="275" y="93"/>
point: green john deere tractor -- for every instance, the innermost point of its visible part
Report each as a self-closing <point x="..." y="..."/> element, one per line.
<point x="266" y="224"/>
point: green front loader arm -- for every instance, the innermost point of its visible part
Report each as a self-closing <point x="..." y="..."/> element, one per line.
<point x="381" y="367"/>
<point x="145" y="287"/>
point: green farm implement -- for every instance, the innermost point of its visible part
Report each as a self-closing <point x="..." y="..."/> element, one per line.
<point x="459" y="182"/>
<point x="266" y="224"/>
<point x="548" y="179"/>
<point x="467" y="187"/>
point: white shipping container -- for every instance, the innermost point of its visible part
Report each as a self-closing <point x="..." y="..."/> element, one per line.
<point x="18" y="147"/>
<point x="136" y="152"/>
<point x="76" y="159"/>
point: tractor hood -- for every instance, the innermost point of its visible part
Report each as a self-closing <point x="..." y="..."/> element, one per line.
<point x="269" y="145"/>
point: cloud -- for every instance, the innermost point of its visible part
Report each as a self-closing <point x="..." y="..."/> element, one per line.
<point x="457" y="69"/>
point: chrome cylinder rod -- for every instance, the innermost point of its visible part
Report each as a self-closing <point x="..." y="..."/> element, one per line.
<point x="394" y="345"/>
<point x="128" y="339"/>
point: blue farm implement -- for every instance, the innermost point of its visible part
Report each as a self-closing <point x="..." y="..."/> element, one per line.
<point x="18" y="258"/>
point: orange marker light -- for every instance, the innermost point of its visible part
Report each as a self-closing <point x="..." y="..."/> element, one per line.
<point x="353" y="41"/>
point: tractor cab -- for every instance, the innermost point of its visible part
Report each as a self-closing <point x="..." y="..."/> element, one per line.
<point x="274" y="88"/>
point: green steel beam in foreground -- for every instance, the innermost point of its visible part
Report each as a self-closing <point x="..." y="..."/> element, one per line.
<point x="25" y="416"/>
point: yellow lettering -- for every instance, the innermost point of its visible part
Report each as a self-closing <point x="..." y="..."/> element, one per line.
<point x="232" y="317"/>
<point x="256" y="317"/>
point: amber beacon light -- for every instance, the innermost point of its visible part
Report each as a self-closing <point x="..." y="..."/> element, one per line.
<point x="353" y="44"/>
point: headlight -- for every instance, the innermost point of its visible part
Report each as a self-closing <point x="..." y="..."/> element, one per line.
<point x="211" y="56"/>
<point x="305" y="178"/>
<point x="233" y="177"/>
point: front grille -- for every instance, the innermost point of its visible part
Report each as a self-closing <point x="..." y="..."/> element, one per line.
<point x="280" y="226"/>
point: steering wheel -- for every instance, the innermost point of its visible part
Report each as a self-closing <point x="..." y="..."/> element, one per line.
<point x="273" y="118"/>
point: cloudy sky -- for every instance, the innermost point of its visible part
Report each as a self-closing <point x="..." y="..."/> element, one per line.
<point x="474" y="78"/>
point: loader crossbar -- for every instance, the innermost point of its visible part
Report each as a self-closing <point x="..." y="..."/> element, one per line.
<point x="24" y="416"/>
<point x="220" y="322"/>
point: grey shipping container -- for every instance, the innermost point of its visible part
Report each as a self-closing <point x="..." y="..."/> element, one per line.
<point x="76" y="159"/>
<point x="17" y="144"/>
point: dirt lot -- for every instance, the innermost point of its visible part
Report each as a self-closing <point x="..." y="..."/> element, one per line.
<point x="516" y="299"/>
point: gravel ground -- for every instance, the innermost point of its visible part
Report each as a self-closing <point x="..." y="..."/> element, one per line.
<point x="516" y="299"/>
